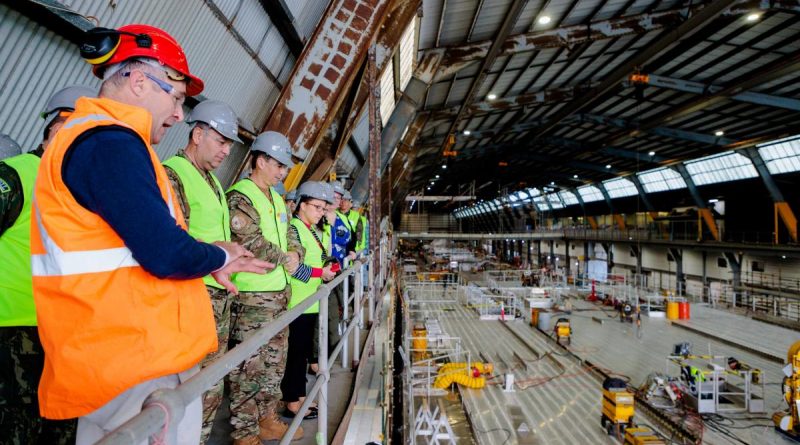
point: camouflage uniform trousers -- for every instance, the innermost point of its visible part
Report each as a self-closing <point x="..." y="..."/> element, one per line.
<point x="255" y="385"/>
<point x="21" y="364"/>
<point x="212" y="399"/>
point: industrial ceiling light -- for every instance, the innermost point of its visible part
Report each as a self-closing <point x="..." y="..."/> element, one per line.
<point x="437" y="176"/>
<point x="575" y="176"/>
<point x="552" y="183"/>
<point x="545" y="19"/>
<point x="719" y="133"/>
<point x="429" y="188"/>
<point x="652" y="153"/>
<point x="491" y="96"/>
<point x="752" y="17"/>
<point x="467" y="132"/>
<point x="608" y="165"/>
<point x="444" y="166"/>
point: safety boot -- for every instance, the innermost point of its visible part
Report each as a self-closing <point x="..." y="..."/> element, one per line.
<point x="273" y="428"/>
<point x="248" y="440"/>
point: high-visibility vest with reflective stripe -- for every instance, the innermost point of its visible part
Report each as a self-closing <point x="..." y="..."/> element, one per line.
<point x="313" y="258"/>
<point x="16" y="289"/>
<point x="273" y="223"/>
<point x="355" y="218"/>
<point x="105" y="323"/>
<point x="210" y="219"/>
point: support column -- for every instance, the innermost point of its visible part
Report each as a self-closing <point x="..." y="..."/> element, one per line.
<point x="539" y="253"/>
<point x="783" y="212"/>
<point x="567" y="260"/>
<point x="609" y="256"/>
<point x="705" y="277"/>
<point x="735" y="264"/>
<point x="680" y="279"/>
<point x="705" y="213"/>
<point x="552" y="253"/>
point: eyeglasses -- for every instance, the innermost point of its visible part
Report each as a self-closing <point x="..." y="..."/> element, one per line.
<point x="165" y="87"/>
<point x="317" y="206"/>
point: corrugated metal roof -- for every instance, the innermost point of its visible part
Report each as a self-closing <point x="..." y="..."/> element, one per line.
<point x="214" y="54"/>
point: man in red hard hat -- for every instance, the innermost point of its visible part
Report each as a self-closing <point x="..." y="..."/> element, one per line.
<point x="117" y="280"/>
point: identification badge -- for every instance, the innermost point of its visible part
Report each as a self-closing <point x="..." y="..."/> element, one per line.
<point x="284" y="218"/>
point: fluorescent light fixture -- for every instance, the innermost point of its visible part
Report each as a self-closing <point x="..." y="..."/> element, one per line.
<point x="608" y="165"/>
<point x="652" y="153"/>
<point x="444" y="166"/>
<point x="491" y="96"/>
<point x="437" y="176"/>
<point x="752" y="17"/>
<point x="545" y="19"/>
<point x="719" y="133"/>
<point x="575" y="176"/>
<point x="467" y="132"/>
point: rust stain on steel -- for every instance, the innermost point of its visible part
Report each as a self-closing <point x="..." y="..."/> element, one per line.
<point x="374" y="151"/>
<point x="324" y="70"/>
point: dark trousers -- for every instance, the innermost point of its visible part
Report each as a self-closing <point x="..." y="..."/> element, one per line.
<point x="21" y="364"/>
<point x="301" y="344"/>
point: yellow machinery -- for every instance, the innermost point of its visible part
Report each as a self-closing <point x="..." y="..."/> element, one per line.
<point x="788" y="422"/>
<point x="563" y="331"/>
<point x="617" y="406"/>
<point x="641" y="435"/>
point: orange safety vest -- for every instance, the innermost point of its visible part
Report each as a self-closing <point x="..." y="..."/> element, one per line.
<point x="106" y="324"/>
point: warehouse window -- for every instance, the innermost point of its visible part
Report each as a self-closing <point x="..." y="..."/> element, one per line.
<point x="620" y="187"/>
<point x="781" y="156"/>
<point x="661" y="179"/>
<point x="723" y="167"/>
<point x="387" y="92"/>
<point x="590" y="193"/>
<point x="555" y="201"/>
<point x="568" y="198"/>
<point x="407" y="52"/>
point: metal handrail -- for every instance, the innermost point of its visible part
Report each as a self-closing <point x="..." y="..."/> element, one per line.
<point x="165" y="405"/>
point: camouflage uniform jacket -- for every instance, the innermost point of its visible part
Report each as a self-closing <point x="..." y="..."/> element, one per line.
<point x="246" y="230"/>
<point x="177" y="186"/>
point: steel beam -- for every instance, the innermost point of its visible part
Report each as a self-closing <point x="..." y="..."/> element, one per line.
<point x="438" y="198"/>
<point x="642" y="194"/>
<point x="688" y="86"/>
<point x="323" y="74"/>
<point x="374" y="183"/>
<point x="674" y="133"/>
<point x="281" y="17"/>
<point x="683" y="31"/>
<point x="523" y="101"/>
<point x="488" y="59"/>
<point x="567" y="36"/>
<point x="771" y="71"/>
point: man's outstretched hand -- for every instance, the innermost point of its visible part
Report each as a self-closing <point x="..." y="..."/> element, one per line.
<point x="239" y="260"/>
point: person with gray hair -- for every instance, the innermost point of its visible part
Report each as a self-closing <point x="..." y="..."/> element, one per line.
<point x="117" y="279"/>
<point x="205" y="209"/>
<point x="19" y="336"/>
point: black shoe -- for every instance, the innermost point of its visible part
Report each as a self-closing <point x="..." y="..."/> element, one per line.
<point x="312" y="413"/>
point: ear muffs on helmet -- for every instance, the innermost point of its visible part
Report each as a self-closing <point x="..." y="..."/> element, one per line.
<point x="100" y="44"/>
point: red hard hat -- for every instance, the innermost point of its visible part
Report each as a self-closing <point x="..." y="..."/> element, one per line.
<point x="164" y="49"/>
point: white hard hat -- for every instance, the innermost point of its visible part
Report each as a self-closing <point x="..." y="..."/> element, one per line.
<point x="8" y="147"/>
<point x="274" y="145"/>
<point x="219" y="116"/>
<point x="315" y="190"/>
<point x="64" y="99"/>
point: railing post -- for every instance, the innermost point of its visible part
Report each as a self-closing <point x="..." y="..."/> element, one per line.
<point x="345" y="317"/>
<point x="358" y="313"/>
<point x="371" y="282"/>
<point x="322" y="354"/>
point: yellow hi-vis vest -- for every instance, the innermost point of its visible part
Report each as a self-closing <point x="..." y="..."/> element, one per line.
<point x="273" y="224"/>
<point x="16" y="287"/>
<point x="313" y="258"/>
<point x="210" y="218"/>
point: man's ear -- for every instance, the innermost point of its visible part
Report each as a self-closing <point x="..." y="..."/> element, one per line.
<point x="136" y="83"/>
<point x="197" y="133"/>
